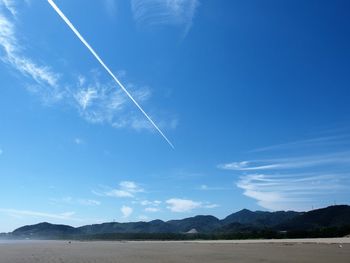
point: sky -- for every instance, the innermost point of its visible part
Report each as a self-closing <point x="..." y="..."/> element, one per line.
<point x="253" y="95"/>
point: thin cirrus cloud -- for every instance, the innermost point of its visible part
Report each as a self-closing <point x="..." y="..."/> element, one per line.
<point x="164" y="12"/>
<point x="100" y="103"/>
<point x="76" y="201"/>
<point x="143" y="218"/>
<point x="78" y="141"/>
<point x="111" y="7"/>
<point x="45" y="79"/>
<point x="179" y="205"/>
<point x="130" y="190"/>
<point x="318" y="142"/>
<point x="96" y="101"/>
<point x="152" y="209"/>
<point x="10" y="6"/>
<point x="296" y="182"/>
<point x="36" y="214"/>
<point x="126" y="189"/>
<point x="150" y="206"/>
<point x="339" y="158"/>
<point x="204" y="187"/>
<point x="150" y="203"/>
<point x="279" y="192"/>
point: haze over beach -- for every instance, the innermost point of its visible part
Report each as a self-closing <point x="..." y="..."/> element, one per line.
<point x="58" y="251"/>
<point x="152" y="111"/>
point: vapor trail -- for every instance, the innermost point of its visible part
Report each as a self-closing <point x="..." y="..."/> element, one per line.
<point x="76" y="32"/>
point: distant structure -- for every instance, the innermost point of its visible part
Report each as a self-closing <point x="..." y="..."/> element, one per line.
<point x="192" y="231"/>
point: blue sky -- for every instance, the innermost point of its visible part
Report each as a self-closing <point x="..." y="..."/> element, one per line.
<point x="254" y="95"/>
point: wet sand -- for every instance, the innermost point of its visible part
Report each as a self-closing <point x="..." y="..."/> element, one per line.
<point x="245" y="251"/>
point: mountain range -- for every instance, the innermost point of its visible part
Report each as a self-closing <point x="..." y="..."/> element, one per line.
<point x="244" y="221"/>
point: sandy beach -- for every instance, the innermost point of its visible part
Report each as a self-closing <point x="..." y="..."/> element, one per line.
<point x="301" y="250"/>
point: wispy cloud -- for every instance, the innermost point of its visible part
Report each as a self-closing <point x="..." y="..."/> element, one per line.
<point x="289" y="163"/>
<point x="96" y="101"/>
<point x="152" y="209"/>
<point x="335" y="139"/>
<point x="204" y="187"/>
<point x="126" y="211"/>
<point x="131" y="190"/>
<point x="126" y="189"/>
<point x="150" y="206"/>
<point x="110" y="7"/>
<point x="101" y="103"/>
<point x="119" y="193"/>
<point x="78" y="141"/>
<point x="76" y="201"/>
<point x="164" y="12"/>
<point x="150" y="203"/>
<point x="290" y="191"/>
<point x="81" y="81"/>
<point x="10" y="6"/>
<point x="182" y="205"/>
<point x="45" y="79"/>
<point x="88" y="202"/>
<point x="210" y="206"/>
<point x="130" y="186"/>
<point x="97" y="57"/>
<point x="36" y="214"/>
<point x="186" y="205"/>
<point x="143" y="218"/>
<point x="300" y="180"/>
<point x="85" y="97"/>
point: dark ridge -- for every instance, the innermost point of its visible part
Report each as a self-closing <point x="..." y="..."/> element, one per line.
<point x="332" y="216"/>
<point x="260" y="218"/>
<point x="44" y="229"/>
<point x="325" y="222"/>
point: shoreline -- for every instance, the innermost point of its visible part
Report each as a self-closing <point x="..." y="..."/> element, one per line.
<point x="336" y="240"/>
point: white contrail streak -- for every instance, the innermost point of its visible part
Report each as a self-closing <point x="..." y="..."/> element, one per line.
<point x="76" y="32"/>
